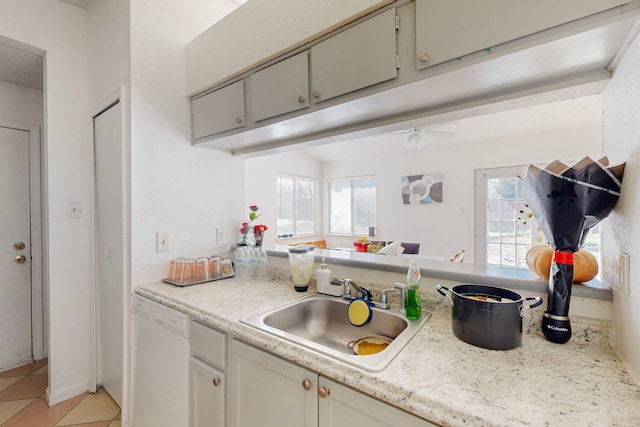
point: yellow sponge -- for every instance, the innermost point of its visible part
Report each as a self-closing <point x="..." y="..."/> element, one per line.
<point x="359" y="312"/>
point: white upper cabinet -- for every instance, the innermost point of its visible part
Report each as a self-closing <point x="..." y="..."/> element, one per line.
<point x="280" y="88"/>
<point x="259" y="31"/>
<point x="449" y="29"/>
<point x="361" y="56"/>
<point x="218" y="111"/>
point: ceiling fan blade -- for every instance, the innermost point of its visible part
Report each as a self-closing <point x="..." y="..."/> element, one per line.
<point x="439" y="133"/>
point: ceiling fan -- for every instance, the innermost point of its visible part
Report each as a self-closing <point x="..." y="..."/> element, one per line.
<point x="416" y="136"/>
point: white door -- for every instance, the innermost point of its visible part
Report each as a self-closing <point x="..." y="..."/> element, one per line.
<point x="110" y="250"/>
<point x="15" y="263"/>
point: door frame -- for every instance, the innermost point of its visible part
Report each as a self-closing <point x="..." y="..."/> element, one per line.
<point x="38" y="290"/>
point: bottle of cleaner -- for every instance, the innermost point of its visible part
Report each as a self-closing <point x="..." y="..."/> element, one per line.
<point x="323" y="279"/>
<point x="413" y="306"/>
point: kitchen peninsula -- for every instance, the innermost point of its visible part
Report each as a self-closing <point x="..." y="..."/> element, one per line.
<point x="436" y="376"/>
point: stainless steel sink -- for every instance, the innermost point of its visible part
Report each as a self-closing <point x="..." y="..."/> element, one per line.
<point x="321" y="323"/>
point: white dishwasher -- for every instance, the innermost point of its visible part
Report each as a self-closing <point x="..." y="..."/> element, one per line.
<point x="161" y="366"/>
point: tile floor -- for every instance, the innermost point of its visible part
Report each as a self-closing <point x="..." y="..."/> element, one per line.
<point x="22" y="403"/>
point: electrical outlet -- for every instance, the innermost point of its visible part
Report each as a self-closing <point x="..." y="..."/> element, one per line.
<point x="625" y="271"/>
<point x="163" y="243"/>
<point x="220" y="235"/>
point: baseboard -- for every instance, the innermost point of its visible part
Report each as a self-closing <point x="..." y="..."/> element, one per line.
<point x="17" y="364"/>
<point x="66" y="393"/>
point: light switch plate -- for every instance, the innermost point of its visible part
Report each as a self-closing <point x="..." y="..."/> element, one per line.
<point x="74" y="210"/>
<point x="220" y="235"/>
<point x="163" y="243"/>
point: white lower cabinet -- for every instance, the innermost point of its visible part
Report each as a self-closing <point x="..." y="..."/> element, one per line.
<point x="343" y="406"/>
<point x="207" y="377"/>
<point x="269" y="391"/>
<point x="208" y="395"/>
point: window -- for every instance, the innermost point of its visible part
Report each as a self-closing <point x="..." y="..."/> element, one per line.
<point x="504" y="233"/>
<point x="296" y="206"/>
<point x="352" y="205"/>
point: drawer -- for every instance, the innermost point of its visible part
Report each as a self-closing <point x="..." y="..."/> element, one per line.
<point x="209" y="345"/>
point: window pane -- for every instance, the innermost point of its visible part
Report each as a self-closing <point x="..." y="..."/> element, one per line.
<point x="305" y="207"/>
<point x="521" y="253"/>
<point x="493" y="189"/>
<point x="493" y="232"/>
<point x="340" y="207"/>
<point x="509" y="186"/>
<point x="508" y="210"/>
<point x="508" y="234"/>
<point x="285" y="222"/>
<point x="296" y="206"/>
<point x="493" y="210"/>
<point x="523" y="236"/>
<point x="509" y="255"/>
<point x="364" y="205"/>
<point x="493" y="253"/>
<point x="352" y="205"/>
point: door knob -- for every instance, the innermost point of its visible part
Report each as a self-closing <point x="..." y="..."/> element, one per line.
<point x="18" y="246"/>
<point x="20" y="259"/>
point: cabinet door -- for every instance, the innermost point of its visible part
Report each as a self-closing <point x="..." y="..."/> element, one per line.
<point x="208" y="391"/>
<point x="268" y="391"/>
<point x="280" y="88"/>
<point x="343" y="406"/>
<point x="218" y="111"/>
<point x="355" y="58"/>
<point x="448" y="29"/>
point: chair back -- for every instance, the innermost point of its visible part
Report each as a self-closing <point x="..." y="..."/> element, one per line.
<point x="320" y="244"/>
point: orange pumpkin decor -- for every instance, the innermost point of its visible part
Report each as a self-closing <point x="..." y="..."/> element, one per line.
<point x="585" y="264"/>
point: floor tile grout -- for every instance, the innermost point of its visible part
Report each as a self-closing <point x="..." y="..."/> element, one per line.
<point x="80" y="417"/>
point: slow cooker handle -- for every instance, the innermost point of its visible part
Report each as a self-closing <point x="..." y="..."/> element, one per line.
<point x="441" y="290"/>
<point x="538" y="301"/>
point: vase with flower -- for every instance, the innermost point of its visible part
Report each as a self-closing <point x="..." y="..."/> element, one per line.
<point x="247" y="229"/>
<point x="258" y="231"/>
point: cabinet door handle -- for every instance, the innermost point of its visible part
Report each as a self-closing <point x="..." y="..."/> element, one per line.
<point x="301" y="99"/>
<point x="423" y="57"/>
<point x="306" y="384"/>
<point x="315" y="94"/>
<point x="238" y="120"/>
<point x="323" y="392"/>
<point x="216" y="382"/>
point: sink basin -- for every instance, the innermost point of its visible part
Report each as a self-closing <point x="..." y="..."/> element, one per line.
<point x="321" y="323"/>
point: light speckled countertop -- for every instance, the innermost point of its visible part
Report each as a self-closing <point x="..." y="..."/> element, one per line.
<point x="437" y="376"/>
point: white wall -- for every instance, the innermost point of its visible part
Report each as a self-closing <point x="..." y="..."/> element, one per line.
<point x="261" y="173"/>
<point x="622" y="143"/>
<point x="108" y="51"/>
<point x="21" y="104"/>
<point x="175" y="188"/>
<point x="60" y="30"/>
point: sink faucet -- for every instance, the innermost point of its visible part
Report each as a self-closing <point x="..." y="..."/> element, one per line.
<point x="348" y="283"/>
<point x="365" y="293"/>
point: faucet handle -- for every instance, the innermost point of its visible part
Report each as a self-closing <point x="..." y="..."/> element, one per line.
<point x="383" y="297"/>
<point x="403" y="294"/>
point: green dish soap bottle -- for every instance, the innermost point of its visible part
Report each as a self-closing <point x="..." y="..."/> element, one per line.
<point x="413" y="306"/>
